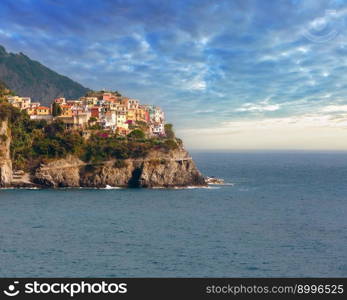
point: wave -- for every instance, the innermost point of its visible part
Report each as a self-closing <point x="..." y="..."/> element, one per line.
<point x="109" y="187"/>
<point x="20" y="188"/>
<point x="196" y="187"/>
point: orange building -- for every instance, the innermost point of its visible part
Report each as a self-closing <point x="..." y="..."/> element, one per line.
<point x="42" y="110"/>
<point x="66" y="110"/>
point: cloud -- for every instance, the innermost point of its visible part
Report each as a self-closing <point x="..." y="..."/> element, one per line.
<point x="223" y="57"/>
<point x="261" y="107"/>
<point x="309" y="131"/>
<point x="334" y="108"/>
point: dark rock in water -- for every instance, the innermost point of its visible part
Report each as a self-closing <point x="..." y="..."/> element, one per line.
<point x="214" y="180"/>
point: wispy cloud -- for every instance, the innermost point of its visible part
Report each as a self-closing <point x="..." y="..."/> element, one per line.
<point x="308" y="131"/>
<point x="216" y="59"/>
<point x="258" y="107"/>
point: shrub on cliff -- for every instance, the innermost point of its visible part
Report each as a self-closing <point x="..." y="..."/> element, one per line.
<point x="170" y="145"/>
<point x="136" y="134"/>
<point x="119" y="163"/>
<point x="8" y="112"/>
<point x="57" y="145"/>
<point x="100" y="148"/>
<point x="33" y="140"/>
<point x="169" y="131"/>
<point x="3" y="138"/>
<point x="56" y="127"/>
<point x="21" y="126"/>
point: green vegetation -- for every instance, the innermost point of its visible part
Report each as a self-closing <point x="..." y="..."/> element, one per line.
<point x="30" y="78"/>
<point x="54" y="142"/>
<point x="136" y="134"/>
<point x="4" y="92"/>
<point x="33" y="141"/>
<point x="99" y="94"/>
<point x="3" y="138"/>
<point x="56" y="109"/>
<point x="119" y="163"/>
<point x="104" y="146"/>
<point x="36" y="141"/>
<point x="169" y="131"/>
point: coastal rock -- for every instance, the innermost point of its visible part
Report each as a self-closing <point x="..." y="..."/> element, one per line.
<point x="5" y="157"/>
<point x="170" y="173"/>
<point x="214" y="180"/>
<point x="107" y="174"/>
<point x="59" y="173"/>
<point x="158" y="169"/>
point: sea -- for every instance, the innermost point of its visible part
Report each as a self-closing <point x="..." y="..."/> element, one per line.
<point x="279" y="214"/>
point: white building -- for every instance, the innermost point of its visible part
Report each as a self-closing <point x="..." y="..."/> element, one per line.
<point x="19" y="102"/>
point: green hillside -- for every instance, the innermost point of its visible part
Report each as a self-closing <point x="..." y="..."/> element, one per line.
<point x="30" y="78"/>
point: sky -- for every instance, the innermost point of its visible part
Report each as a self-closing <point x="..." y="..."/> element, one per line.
<point x="236" y="74"/>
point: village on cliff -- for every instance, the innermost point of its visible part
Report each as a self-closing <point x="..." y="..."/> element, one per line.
<point x="104" y="110"/>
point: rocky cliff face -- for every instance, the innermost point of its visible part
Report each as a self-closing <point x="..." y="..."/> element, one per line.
<point x="158" y="169"/>
<point x="5" y="158"/>
<point x="174" y="168"/>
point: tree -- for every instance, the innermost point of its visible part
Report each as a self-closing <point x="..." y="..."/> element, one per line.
<point x="136" y="134"/>
<point x="54" y="128"/>
<point x="56" y="110"/>
<point x="169" y="131"/>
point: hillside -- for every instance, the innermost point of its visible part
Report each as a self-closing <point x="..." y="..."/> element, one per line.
<point x="30" y="78"/>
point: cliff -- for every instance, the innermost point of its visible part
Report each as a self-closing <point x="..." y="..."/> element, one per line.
<point x="171" y="169"/>
<point x="5" y="158"/>
<point x="55" y="157"/>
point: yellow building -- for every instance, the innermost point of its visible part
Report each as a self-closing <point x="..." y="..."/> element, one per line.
<point x="19" y="102"/>
<point x="131" y="115"/>
<point x="31" y="110"/>
<point x="43" y="110"/>
<point x="141" y="115"/>
<point x="66" y="110"/>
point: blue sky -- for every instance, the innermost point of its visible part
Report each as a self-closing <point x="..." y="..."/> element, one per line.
<point x="229" y="74"/>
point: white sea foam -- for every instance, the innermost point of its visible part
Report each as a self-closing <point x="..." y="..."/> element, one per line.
<point x="109" y="187"/>
<point x="20" y="188"/>
<point x="191" y="187"/>
<point x="221" y="184"/>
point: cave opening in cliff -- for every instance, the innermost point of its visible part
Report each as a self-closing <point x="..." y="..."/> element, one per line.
<point x="134" y="181"/>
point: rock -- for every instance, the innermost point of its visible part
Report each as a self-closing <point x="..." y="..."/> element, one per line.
<point x="22" y="180"/>
<point x="5" y="156"/>
<point x="157" y="169"/>
<point x="170" y="173"/>
<point x="173" y="168"/>
<point x="214" y="180"/>
<point x="59" y="173"/>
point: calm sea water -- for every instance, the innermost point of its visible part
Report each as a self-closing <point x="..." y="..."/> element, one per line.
<point x="285" y="215"/>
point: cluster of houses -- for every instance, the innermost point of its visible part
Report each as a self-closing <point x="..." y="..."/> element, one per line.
<point x="107" y="110"/>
